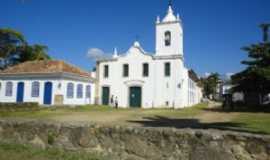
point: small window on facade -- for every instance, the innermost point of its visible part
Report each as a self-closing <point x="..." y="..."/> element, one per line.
<point x="35" y="89"/>
<point x="125" y="70"/>
<point x="88" y="91"/>
<point x="106" y="71"/>
<point x="9" y="87"/>
<point x="70" y="90"/>
<point x="79" y="91"/>
<point x="145" y="69"/>
<point x="167" y="38"/>
<point x="167" y="69"/>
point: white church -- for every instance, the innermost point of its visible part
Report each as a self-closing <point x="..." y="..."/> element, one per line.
<point x="149" y="80"/>
<point x="133" y="79"/>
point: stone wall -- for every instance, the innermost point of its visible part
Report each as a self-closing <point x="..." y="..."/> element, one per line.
<point x="139" y="143"/>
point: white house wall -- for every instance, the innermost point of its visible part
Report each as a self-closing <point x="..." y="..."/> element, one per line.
<point x="75" y="100"/>
<point x="56" y="90"/>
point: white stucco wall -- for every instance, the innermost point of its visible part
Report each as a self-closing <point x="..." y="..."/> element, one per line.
<point x="170" y="89"/>
<point x="194" y="93"/>
<point x="176" y="46"/>
<point x="119" y="85"/>
<point x="157" y="89"/>
<point x="56" y="90"/>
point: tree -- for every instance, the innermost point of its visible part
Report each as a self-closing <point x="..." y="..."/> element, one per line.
<point x="210" y="84"/>
<point x="255" y="79"/>
<point x="11" y="42"/>
<point x="34" y="52"/>
<point x="14" y="49"/>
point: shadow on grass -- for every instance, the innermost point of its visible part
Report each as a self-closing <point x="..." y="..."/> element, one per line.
<point x="160" y="121"/>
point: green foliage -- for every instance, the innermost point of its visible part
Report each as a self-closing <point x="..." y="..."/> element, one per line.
<point x="11" y="42"/>
<point x="15" y="49"/>
<point x="51" y="137"/>
<point x="17" y="152"/>
<point x="16" y="107"/>
<point x="256" y="77"/>
<point x="34" y="52"/>
<point x="210" y="84"/>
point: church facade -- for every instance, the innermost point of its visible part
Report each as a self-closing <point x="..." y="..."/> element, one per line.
<point x="149" y="80"/>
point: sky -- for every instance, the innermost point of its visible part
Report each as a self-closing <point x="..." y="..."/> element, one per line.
<point x="214" y="30"/>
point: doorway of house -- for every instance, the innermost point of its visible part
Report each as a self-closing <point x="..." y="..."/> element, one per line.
<point x="20" y="92"/>
<point x="105" y="95"/>
<point x="48" y="93"/>
<point x="135" y="97"/>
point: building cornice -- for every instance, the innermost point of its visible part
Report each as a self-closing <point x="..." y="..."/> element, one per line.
<point x="107" y="60"/>
<point x="57" y="75"/>
<point x="163" y="57"/>
<point x="154" y="57"/>
<point x="164" y="23"/>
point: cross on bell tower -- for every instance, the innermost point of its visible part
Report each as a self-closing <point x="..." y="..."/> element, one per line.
<point x="170" y="2"/>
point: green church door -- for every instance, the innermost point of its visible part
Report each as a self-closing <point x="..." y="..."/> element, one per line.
<point x="105" y="95"/>
<point x="135" y="96"/>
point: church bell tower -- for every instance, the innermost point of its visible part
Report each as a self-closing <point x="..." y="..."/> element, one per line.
<point x="169" y="34"/>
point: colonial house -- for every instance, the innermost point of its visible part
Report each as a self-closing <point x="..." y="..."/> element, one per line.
<point x="141" y="79"/>
<point x="47" y="83"/>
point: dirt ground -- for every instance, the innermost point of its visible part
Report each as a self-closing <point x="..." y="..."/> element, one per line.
<point x="208" y="116"/>
<point x="125" y="117"/>
<point x="201" y="116"/>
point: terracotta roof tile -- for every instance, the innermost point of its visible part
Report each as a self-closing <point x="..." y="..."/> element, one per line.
<point x="41" y="67"/>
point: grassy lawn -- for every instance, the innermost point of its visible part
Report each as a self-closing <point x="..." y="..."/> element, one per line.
<point x="94" y="111"/>
<point x="255" y="122"/>
<point x="18" y="152"/>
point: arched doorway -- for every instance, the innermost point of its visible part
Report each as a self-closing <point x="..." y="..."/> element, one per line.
<point x="47" y="100"/>
<point x="135" y="96"/>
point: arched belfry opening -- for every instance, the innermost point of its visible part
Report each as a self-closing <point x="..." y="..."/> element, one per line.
<point x="168" y="38"/>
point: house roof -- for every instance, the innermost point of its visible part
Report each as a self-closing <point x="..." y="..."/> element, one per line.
<point x="45" y="67"/>
<point x="192" y="75"/>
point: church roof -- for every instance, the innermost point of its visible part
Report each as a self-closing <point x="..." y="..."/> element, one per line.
<point x="192" y="75"/>
<point x="170" y="17"/>
<point x="45" y="67"/>
<point x="136" y="45"/>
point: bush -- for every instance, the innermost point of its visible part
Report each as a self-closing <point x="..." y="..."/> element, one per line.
<point x="51" y="137"/>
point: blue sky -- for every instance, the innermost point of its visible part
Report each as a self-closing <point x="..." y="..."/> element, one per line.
<point x="214" y="30"/>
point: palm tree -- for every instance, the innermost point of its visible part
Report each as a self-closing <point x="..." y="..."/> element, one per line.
<point x="34" y="52"/>
<point x="40" y="52"/>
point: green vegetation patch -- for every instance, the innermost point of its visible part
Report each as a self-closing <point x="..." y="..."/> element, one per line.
<point x="18" y="152"/>
<point x="254" y="122"/>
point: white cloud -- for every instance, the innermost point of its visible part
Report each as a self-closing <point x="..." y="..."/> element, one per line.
<point x="228" y="75"/>
<point x="95" y="54"/>
<point x="207" y="74"/>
